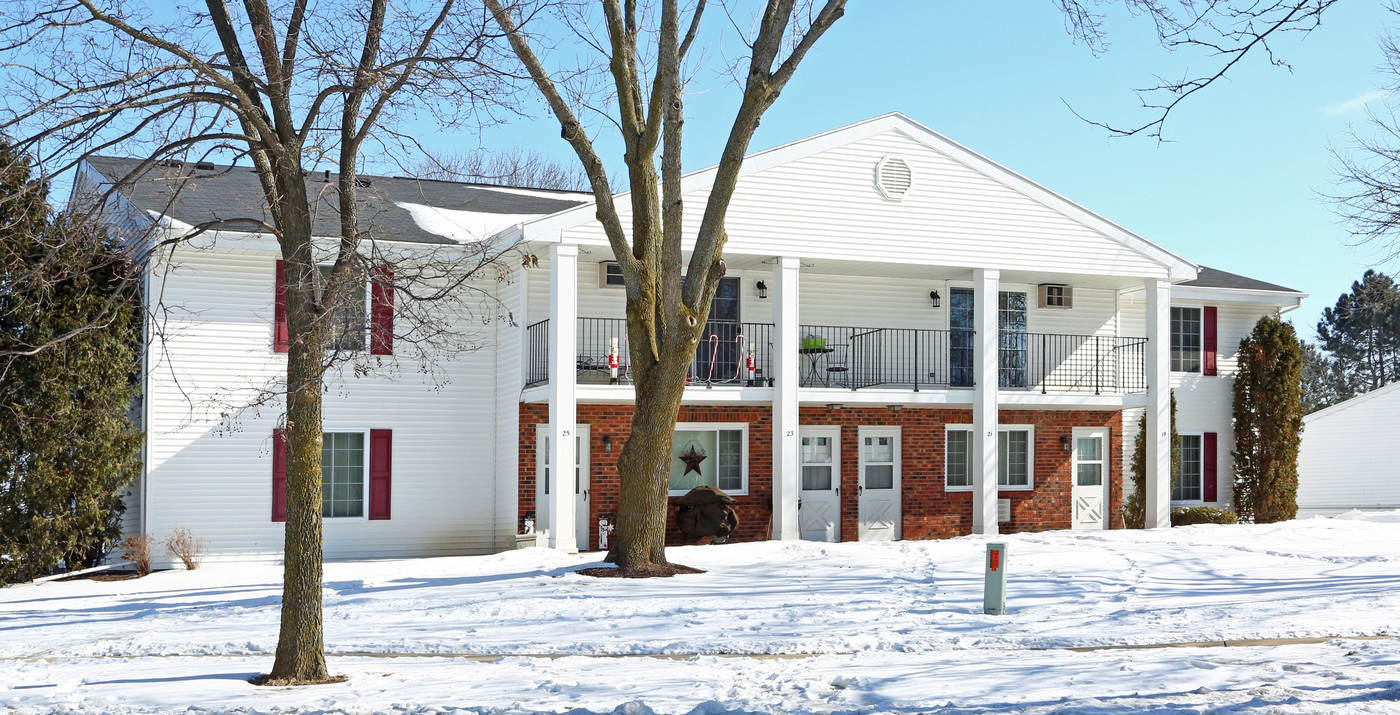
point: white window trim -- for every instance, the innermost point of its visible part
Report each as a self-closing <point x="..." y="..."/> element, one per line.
<point x="1030" y="456"/>
<point x="1200" y="340"/>
<point x="743" y="427"/>
<point x="829" y="431"/>
<point x="364" y="503"/>
<point x="1195" y="502"/>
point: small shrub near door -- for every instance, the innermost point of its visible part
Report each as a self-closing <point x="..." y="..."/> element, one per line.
<point x="185" y="546"/>
<point x="1202" y="515"/>
<point x="137" y="551"/>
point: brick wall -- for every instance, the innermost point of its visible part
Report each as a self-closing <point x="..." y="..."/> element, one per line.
<point x="929" y="510"/>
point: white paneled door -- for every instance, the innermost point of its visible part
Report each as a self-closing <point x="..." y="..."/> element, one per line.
<point x="581" y="482"/>
<point x="819" y="506"/>
<point x="878" y="500"/>
<point x="1090" y="491"/>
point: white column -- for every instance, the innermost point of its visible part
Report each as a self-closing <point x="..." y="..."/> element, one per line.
<point x="1159" y="401"/>
<point x="985" y="287"/>
<point x="786" y="472"/>
<point x="563" y="406"/>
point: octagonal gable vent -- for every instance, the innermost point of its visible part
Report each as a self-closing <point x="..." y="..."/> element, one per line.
<point x="893" y="177"/>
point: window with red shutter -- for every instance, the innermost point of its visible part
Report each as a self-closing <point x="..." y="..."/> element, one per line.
<point x="381" y="313"/>
<point x="1208" y="339"/>
<point x="381" y="463"/>
<point x="1208" y="474"/>
<point x="280" y="339"/>
<point x="279" y="475"/>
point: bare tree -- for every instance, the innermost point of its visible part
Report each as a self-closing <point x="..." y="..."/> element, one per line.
<point x="526" y="168"/>
<point x="1367" y="169"/>
<point x="664" y="316"/>
<point x="285" y="86"/>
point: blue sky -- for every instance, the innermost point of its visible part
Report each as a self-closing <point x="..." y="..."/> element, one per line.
<point x="1235" y="187"/>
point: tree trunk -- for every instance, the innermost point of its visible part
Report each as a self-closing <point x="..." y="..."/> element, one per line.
<point x="644" y="467"/>
<point x="301" y="649"/>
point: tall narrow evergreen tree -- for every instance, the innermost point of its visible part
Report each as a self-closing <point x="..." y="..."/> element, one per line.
<point x="1135" y="504"/>
<point x="1268" y="422"/>
<point x="67" y="444"/>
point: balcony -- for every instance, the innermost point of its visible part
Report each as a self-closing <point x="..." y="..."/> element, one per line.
<point x="856" y="358"/>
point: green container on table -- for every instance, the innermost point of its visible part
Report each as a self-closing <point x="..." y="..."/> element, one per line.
<point x="810" y="343"/>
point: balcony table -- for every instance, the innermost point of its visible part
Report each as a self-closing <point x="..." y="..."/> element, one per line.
<point x="814" y="355"/>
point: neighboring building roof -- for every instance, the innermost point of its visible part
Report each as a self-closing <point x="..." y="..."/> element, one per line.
<point x="391" y="209"/>
<point x="1364" y="397"/>
<point x="1216" y="278"/>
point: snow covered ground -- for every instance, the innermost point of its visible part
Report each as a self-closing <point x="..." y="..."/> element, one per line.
<point x="886" y="627"/>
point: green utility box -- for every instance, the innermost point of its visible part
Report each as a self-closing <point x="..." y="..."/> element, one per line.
<point x="994" y="594"/>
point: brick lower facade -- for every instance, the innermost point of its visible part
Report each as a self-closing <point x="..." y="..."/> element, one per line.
<point x="929" y="510"/>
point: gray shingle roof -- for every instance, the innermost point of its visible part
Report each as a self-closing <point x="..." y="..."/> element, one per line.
<point x="1215" y="278"/>
<point x="232" y="193"/>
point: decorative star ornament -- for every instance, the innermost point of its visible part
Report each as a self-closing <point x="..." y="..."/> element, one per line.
<point x="692" y="457"/>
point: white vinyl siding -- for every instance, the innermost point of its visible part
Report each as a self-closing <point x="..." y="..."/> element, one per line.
<point x="1348" y="456"/>
<point x="213" y="351"/>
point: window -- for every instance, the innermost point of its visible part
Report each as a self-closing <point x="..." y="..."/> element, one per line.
<point x="610" y="275"/>
<point x="1014" y="458"/>
<point x="958" y="458"/>
<point x="343" y="474"/>
<point x="1186" y="339"/>
<point x="709" y="455"/>
<point x="1088" y="466"/>
<point x="878" y="458"/>
<point x="817" y="462"/>
<point x="1188" y="483"/>
<point x="347" y="316"/>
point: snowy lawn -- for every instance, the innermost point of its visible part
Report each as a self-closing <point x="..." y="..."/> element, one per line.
<point x="881" y="627"/>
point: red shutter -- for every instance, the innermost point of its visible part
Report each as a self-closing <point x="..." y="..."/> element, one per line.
<point x="381" y="463"/>
<point x="1208" y="339"/>
<point x="279" y="313"/>
<point x="381" y="312"/>
<point x="279" y="474"/>
<point x="1208" y="475"/>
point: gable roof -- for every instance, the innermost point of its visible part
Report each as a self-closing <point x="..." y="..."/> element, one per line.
<point x="392" y="209"/>
<point x="1216" y="278"/>
<point x="547" y="228"/>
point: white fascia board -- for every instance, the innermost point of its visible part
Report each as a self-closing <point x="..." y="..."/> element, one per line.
<point x="1178" y="268"/>
<point x="1378" y="392"/>
<point x="1239" y="295"/>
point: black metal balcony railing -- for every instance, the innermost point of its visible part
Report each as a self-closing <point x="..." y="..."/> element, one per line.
<point x="721" y="358"/>
<point x="862" y="357"/>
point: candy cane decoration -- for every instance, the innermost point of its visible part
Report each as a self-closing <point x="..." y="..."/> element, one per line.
<point x="612" y="362"/>
<point x="714" y="353"/>
<point x="739" y="342"/>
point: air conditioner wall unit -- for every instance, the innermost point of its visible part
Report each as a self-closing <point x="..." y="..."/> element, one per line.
<point x="1055" y="296"/>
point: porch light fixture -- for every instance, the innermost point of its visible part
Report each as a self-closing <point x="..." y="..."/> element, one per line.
<point x="1065" y="445"/>
<point x="895" y="408"/>
<point x="762" y="289"/>
<point x="607" y="443"/>
<point x="833" y="406"/>
<point x="937" y="300"/>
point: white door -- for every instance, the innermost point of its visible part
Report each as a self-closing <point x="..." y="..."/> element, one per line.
<point x="878" y="498"/>
<point x="819" y="506"/>
<point x="581" y="526"/>
<point x="1090" y="491"/>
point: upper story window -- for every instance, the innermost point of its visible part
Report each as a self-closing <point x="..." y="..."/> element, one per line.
<point x="346" y="319"/>
<point x="610" y="275"/>
<point x="1186" y="339"/>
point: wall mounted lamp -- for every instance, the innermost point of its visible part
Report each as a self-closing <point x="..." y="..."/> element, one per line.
<point x="762" y="289"/>
<point x="895" y="408"/>
<point x="607" y="443"/>
<point x="1065" y="445"/>
<point x="833" y="406"/>
<point x="937" y="299"/>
